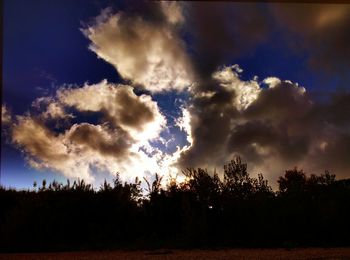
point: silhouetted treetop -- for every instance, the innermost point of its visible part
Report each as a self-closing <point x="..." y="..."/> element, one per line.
<point x="206" y="210"/>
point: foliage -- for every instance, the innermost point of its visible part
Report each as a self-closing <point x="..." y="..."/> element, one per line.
<point x="206" y="210"/>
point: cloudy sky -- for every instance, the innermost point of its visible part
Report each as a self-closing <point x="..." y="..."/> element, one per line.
<point x="92" y="88"/>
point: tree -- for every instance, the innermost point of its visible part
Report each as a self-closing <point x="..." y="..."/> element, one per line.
<point x="294" y="181"/>
<point x="237" y="182"/>
<point x="207" y="188"/>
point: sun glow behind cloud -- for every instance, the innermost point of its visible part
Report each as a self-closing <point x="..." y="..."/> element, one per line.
<point x="143" y="52"/>
<point x="273" y="124"/>
<point x="120" y="143"/>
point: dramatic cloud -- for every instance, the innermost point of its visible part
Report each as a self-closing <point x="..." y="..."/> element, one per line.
<point x="210" y="113"/>
<point x="272" y="124"/>
<point x="223" y="31"/>
<point x="45" y="149"/>
<point x="145" y="52"/>
<point x="245" y="92"/>
<point x="321" y="30"/>
<point x="119" y="143"/>
<point x="272" y="127"/>
<point x="99" y="139"/>
<point x="138" y="115"/>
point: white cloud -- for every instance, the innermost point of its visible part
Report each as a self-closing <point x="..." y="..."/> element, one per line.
<point x="5" y="115"/>
<point x="120" y="143"/>
<point x="184" y="123"/>
<point x="173" y="12"/>
<point x="45" y="149"/>
<point x="246" y="92"/>
<point x="53" y="109"/>
<point x="272" y="81"/>
<point x="138" y="115"/>
<point x="148" y="54"/>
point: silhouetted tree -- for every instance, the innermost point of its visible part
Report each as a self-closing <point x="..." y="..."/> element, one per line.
<point x="203" y="211"/>
<point x="294" y="181"/>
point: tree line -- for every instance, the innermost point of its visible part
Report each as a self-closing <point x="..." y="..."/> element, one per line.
<point x="204" y="211"/>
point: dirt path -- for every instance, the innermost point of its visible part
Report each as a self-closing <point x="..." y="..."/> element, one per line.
<point x="309" y="253"/>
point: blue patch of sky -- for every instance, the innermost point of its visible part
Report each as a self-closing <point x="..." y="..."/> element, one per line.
<point x="273" y="60"/>
<point x="44" y="49"/>
<point x="170" y="104"/>
<point x="100" y="176"/>
<point x="15" y="173"/>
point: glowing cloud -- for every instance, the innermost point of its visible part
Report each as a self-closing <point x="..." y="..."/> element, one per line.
<point x="272" y="128"/>
<point x="5" y="115"/>
<point x="245" y="92"/>
<point x="146" y="53"/>
<point x="273" y="124"/>
<point x="138" y="115"/>
<point x="119" y="144"/>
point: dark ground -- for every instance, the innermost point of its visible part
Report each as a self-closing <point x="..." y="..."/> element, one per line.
<point x="307" y="253"/>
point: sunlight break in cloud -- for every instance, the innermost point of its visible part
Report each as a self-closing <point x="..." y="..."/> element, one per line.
<point x="147" y="53"/>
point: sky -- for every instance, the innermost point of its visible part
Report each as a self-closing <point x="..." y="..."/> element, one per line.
<point x="94" y="88"/>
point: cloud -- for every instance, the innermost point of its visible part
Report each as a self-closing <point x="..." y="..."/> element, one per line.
<point x="318" y="33"/>
<point x="221" y="32"/>
<point x="98" y="138"/>
<point x="245" y="92"/>
<point x="52" y="108"/>
<point x="145" y="52"/>
<point x="173" y="12"/>
<point x="322" y="30"/>
<point x="210" y="115"/>
<point x="44" y="149"/>
<point x="184" y="123"/>
<point x="119" y="142"/>
<point x="138" y="115"/>
<point x="6" y="117"/>
<point x="272" y="127"/>
<point x="273" y="124"/>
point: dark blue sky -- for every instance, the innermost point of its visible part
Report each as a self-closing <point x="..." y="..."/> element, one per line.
<point x="44" y="48"/>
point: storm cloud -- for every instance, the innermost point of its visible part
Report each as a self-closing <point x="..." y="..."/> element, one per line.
<point x="280" y="127"/>
<point x="321" y="30"/>
<point x="223" y="31"/>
